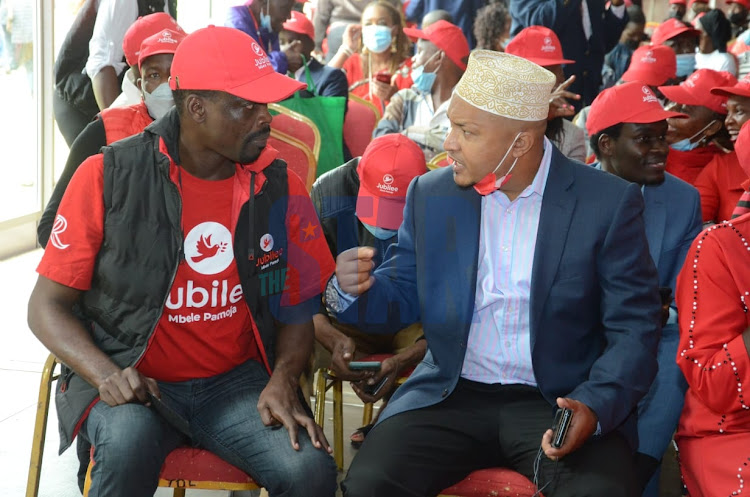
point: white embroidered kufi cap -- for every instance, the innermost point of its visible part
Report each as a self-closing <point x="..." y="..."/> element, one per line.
<point x="506" y="85"/>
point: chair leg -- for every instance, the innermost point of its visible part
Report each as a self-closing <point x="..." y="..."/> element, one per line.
<point x="338" y="424"/>
<point x="320" y="398"/>
<point x="367" y="414"/>
<point x="179" y="492"/>
<point x="40" y="427"/>
<point x="87" y="482"/>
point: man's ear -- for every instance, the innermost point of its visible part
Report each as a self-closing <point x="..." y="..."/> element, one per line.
<point x="195" y="107"/>
<point x="138" y="83"/>
<point x="606" y="145"/>
<point x="526" y="140"/>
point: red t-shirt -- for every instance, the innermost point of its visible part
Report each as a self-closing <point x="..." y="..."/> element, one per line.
<point x="206" y="328"/>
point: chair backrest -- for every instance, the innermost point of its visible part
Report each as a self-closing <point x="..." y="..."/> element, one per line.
<point x="297" y="126"/>
<point x="440" y="160"/>
<point x="360" y="121"/>
<point x="298" y="156"/>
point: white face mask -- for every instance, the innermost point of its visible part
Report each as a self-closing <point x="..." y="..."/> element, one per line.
<point x="159" y="101"/>
<point x="132" y="93"/>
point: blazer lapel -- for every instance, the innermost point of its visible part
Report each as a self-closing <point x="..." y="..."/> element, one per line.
<point x="554" y="222"/>
<point x="465" y="237"/>
<point x="655" y="219"/>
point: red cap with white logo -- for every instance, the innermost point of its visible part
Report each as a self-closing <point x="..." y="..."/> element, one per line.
<point x="299" y="23"/>
<point x="677" y="2"/>
<point x="141" y="29"/>
<point x="539" y="45"/>
<point x="226" y="59"/>
<point x="447" y="37"/>
<point x="744" y="3"/>
<point x="385" y="170"/>
<point x="625" y="103"/>
<point x="162" y="42"/>
<point x="652" y="64"/>
<point x="741" y="89"/>
<point x="671" y="28"/>
<point x="696" y="90"/>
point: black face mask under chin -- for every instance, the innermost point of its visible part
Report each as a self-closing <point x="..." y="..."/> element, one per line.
<point x="738" y="19"/>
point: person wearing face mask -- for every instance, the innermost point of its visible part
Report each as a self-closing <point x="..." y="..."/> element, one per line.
<point x="617" y="60"/>
<point x="154" y="62"/>
<point x="376" y="54"/>
<point x="737" y="11"/>
<point x="682" y="39"/>
<point x="141" y="29"/>
<point x="627" y="125"/>
<point x="419" y="112"/>
<point x="715" y="32"/>
<point x="721" y="182"/>
<point x="532" y="278"/>
<point x="541" y="46"/>
<point x="357" y="206"/>
<point x="264" y="20"/>
<point x="677" y="9"/>
<point x="694" y="141"/>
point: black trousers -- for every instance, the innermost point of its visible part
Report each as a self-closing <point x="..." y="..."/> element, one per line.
<point x="422" y="452"/>
<point x="70" y="120"/>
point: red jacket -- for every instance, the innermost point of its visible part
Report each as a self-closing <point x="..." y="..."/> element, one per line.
<point x="720" y="186"/>
<point x="122" y="122"/>
<point x="688" y="165"/>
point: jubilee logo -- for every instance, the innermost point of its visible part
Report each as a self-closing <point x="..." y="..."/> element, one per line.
<point x="208" y="248"/>
<point x="61" y="224"/>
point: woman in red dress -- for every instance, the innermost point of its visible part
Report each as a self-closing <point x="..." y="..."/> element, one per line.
<point x="376" y="55"/>
<point x="713" y="294"/>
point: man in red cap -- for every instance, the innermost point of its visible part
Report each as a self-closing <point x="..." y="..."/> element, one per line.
<point x="541" y="46"/>
<point x="115" y="123"/>
<point x="196" y="263"/>
<point x="677" y="9"/>
<point x="698" y="7"/>
<point x="361" y="203"/>
<point x="682" y="39"/>
<point x="720" y="183"/>
<point x="627" y="125"/>
<point x="737" y="11"/>
<point x="694" y="141"/>
<point x="141" y="29"/>
<point x="328" y="81"/>
<point x="652" y="65"/>
<point x="419" y="112"/>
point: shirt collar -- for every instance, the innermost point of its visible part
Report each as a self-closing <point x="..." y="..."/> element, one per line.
<point x="301" y="71"/>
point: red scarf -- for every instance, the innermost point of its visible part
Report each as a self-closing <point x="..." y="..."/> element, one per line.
<point x="688" y="165"/>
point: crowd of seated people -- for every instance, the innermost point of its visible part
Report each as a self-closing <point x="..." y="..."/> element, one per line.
<point x="550" y="216"/>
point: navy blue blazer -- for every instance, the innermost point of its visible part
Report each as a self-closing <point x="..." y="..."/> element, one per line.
<point x="595" y="307"/>
<point x="673" y="220"/>
<point x="564" y="18"/>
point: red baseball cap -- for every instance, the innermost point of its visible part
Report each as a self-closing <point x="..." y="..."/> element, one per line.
<point x="669" y="29"/>
<point x="741" y="89"/>
<point x="697" y="1"/>
<point x="696" y="90"/>
<point x="142" y="28"/>
<point x="652" y="64"/>
<point x="165" y="41"/>
<point x="385" y="170"/>
<point x="539" y="45"/>
<point x="744" y="3"/>
<point x="625" y="103"/>
<point x="299" y="23"/>
<point x="228" y="60"/>
<point x="678" y="2"/>
<point x="447" y="37"/>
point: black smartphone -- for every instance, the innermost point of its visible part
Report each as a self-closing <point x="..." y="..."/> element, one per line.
<point x="560" y="426"/>
<point x="364" y="365"/>
<point x="375" y="389"/>
<point x="666" y="295"/>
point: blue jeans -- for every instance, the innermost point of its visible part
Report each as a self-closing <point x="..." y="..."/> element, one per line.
<point x="131" y="441"/>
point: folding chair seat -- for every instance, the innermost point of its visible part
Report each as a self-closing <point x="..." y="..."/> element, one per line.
<point x="297" y="126"/>
<point x="492" y="482"/>
<point x="299" y="158"/>
<point x="360" y="121"/>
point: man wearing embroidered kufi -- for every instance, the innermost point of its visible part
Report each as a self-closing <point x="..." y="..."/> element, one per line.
<point x="532" y="278"/>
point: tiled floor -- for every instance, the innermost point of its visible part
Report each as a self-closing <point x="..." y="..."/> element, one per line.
<point x="21" y="360"/>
